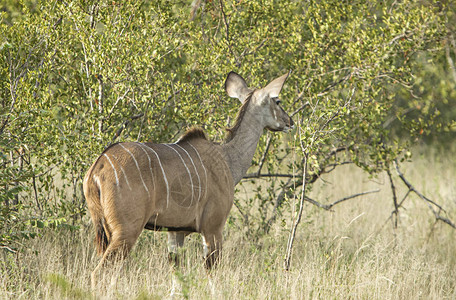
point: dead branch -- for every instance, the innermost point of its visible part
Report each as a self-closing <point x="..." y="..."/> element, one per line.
<point x="431" y="204"/>
<point x="399" y="206"/>
<point x="329" y="206"/>
<point x="256" y="175"/>
<point x="393" y="190"/>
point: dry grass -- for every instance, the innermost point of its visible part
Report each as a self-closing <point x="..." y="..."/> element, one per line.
<point x="350" y="253"/>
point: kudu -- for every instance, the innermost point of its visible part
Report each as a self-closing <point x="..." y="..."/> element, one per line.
<point x="184" y="187"/>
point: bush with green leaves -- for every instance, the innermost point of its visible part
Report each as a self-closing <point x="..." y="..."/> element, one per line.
<point x="78" y="75"/>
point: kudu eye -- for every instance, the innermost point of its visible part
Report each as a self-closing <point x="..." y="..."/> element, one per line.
<point x="276" y="100"/>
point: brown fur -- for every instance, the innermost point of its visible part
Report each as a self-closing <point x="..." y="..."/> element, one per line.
<point x="129" y="188"/>
<point x="193" y="133"/>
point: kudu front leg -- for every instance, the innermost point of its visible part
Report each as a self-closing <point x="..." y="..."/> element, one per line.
<point x="212" y="249"/>
<point x="175" y="242"/>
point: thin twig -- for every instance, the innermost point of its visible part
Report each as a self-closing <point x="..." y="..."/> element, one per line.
<point x="117" y="101"/>
<point x="93" y="14"/>
<point x="299" y="109"/>
<point x="245" y="53"/>
<point x="227" y="34"/>
<point x="298" y="219"/>
<point x="7" y="248"/>
<point x="100" y="102"/>
<point x="123" y="126"/>
<point x="333" y="84"/>
<point x="263" y="158"/>
<point x="143" y="119"/>
<point x="244" y="215"/>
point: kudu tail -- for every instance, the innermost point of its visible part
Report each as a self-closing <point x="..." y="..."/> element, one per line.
<point x="92" y="196"/>
<point x="101" y="238"/>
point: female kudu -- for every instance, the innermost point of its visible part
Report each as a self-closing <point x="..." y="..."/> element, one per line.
<point x="183" y="187"/>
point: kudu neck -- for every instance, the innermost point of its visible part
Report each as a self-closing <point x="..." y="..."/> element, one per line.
<point x="240" y="149"/>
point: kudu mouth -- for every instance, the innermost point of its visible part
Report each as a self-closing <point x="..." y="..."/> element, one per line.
<point x="290" y="126"/>
<point x="287" y="129"/>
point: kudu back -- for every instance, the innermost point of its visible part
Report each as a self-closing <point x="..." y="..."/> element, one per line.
<point x="183" y="187"/>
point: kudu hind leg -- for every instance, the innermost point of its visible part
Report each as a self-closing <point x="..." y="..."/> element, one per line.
<point x="212" y="249"/>
<point x="117" y="250"/>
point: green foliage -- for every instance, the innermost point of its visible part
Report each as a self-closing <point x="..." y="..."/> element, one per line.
<point x="75" y="76"/>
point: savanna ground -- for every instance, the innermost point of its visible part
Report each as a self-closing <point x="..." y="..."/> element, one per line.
<point x="352" y="252"/>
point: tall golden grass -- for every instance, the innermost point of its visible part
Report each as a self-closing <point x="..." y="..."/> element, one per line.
<point x="352" y="252"/>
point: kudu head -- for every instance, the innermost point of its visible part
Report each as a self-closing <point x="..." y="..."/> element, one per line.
<point x="264" y="103"/>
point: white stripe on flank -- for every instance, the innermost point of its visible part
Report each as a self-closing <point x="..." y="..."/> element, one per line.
<point x="204" y="168"/>
<point x="97" y="183"/>
<point x="115" y="172"/>
<point x="150" y="165"/>
<point x="137" y="166"/>
<point x="95" y="178"/>
<point x="196" y="171"/>
<point x="188" y="171"/>
<point x="163" y="171"/>
<point x="123" y="172"/>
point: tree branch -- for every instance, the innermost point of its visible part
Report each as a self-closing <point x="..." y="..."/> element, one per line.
<point x="8" y="248"/>
<point x="450" y="62"/>
<point x="329" y="206"/>
<point x="100" y="102"/>
<point x="263" y="158"/>
<point x="123" y="126"/>
<point x="428" y="201"/>
<point x="295" y="181"/>
<point x="227" y="34"/>
<point x="396" y="207"/>
<point x="256" y="175"/>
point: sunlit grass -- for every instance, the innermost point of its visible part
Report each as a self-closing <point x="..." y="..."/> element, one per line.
<point x="352" y="252"/>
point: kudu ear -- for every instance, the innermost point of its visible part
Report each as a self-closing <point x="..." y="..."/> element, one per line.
<point x="275" y="86"/>
<point x="236" y="87"/>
